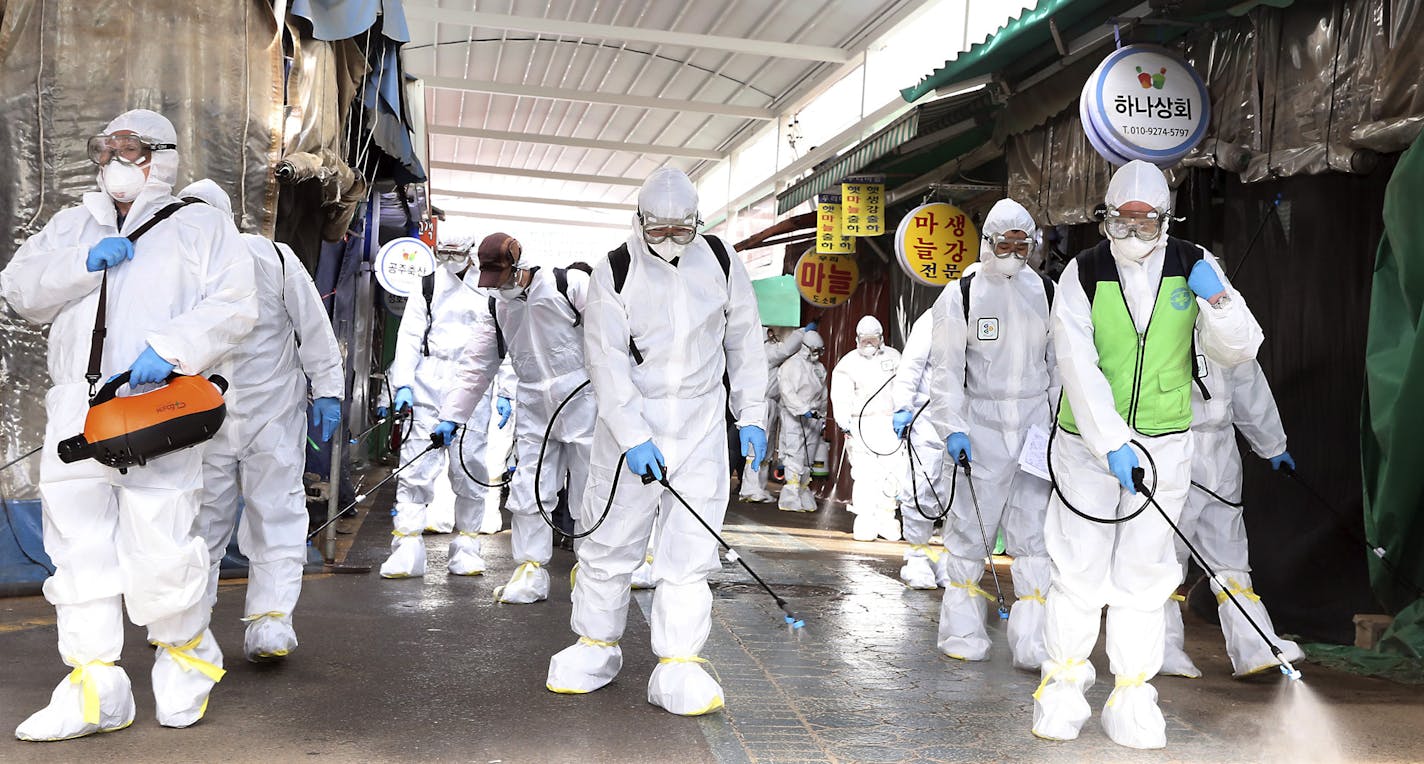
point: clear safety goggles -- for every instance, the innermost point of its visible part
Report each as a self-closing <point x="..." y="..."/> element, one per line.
<point x="1145" y="226"/>
<point x="130" y="148"/>
<point x="657" y="230"/>
<point x="1010" y="244"/>
<point x="868" y="340"/>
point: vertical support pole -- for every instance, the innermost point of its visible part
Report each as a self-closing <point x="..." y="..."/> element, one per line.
<point x="333" y="502"/>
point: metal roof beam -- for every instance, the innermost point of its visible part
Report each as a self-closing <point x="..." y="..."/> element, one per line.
<point x="535" y="200"/>
<point x="532" y="219"/>
<point x="564" y="28"/>
<point x="519" y="172"/>
<point x="590" y="96"/>
<point x="581" y="143"/>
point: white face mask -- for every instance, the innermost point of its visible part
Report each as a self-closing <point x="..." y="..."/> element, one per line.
<point x="867" y="349"/>
<point x="668" y="250"/>
<point x="455" y="266"/>
<point x="510" y="292"/>
<point x="1001" y="266"/>
<point x="1132" y="249"/>
<point x="122" y="181"/>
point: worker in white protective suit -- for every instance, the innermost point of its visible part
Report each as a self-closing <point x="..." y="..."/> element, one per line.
<point x="260" y="452"/>
<point x="753" y="484"/>
<point x="179" y="297"/>
<point x="539" y="324"/>
<point x="923" y="493"/>
<point x="802" y="380"/>
<point x="863" y="405"/>
<point x="994" y="377"/>
<point x="428" y="348"/>
<point x="1222" y="397"/>
<point x="668" y="312"/>
<point x="1122" y="382"/>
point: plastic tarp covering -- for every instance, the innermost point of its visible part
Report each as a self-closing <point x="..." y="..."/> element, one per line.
<point x="1055" y="173"/>
<point x="340" y="19"/>
<point x="67" y="67"/>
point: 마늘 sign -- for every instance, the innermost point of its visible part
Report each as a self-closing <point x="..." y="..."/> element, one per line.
<point x="826" y="280"/>
<point x="402" y="263"/>
<point x="935" y="243"/>
<point x="1143" y="102"/>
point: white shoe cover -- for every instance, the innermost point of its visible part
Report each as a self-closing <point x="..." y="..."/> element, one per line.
<point x="183" y="675"/>
<point x="63" y="718"/>
<point x="643" y="576"/>
<point x="1132" y="719"/>
<point x="889" y="527"/>
<point x="529" y="584"/>
<point x="684" y="688"/>
<point x="917" y="573"/>
<point x="407" y="558"/>
<point x="269" y="637"/>
<point x="941" y="567"/>
<point x="760" y="497"/>
<point x="963" y="633"/>
<point x="584" y="666"/>
<point x="441" y="526"/>
<point x="1059" y="706"/>
<point x="1031" y="576"/>
<point x="1174" y="659"/>
<point x="493" y="520"/>
<point x="863" y="529"/>
<point x="465" y="559"/>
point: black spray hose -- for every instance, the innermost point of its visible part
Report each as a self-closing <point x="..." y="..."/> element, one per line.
<point x="539" y="473"/>
<point x="435" y="444"/>
<point x="1289" y="670"/>
<point x="1375" y="549"/>
<point x="1217" y="496"/>
<point x="22" y="457"/>
<point x="1053" y="480"/>
<point x="984" y="534"/>
<point x="791" y="617"/>
<point x="460" y="454"/>
<point x="860" y="418"/>
<point x="914" y="488"/>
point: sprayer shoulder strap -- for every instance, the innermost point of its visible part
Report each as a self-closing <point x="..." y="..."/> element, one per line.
<point x="964" y="292"/>
<point x="96" y="338"/>
<point x="498" y="333"/>
<point x="427" y="290"/>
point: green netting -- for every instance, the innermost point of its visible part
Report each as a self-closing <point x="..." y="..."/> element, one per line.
<point x="1396" y="657"/>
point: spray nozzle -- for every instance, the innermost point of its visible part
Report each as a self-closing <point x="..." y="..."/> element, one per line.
<point x="1291" y="672"/>
<point x="796" y="623"/>
<point x="964" y="462"/>
<point x="1139" y="481"/>
<point x="1003" y="611"/>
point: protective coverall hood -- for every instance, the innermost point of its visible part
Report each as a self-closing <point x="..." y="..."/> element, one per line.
<point x="1006" y="215"/>
<point x="812" y="341"/>
<point x="163" y="172"/>
<point x="209" y="193"/>
<point x="667" y="194"/>
<point x="867" y="327"/>
<point x="1139" y="181"/>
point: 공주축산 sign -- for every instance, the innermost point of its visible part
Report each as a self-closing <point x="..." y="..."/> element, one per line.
<point x="935" y="243"/>
<point x="826" y="280"/>
<point x="401" y="264"/>
<point x="1143" y="102"/>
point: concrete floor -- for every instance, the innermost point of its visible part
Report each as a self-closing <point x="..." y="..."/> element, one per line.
<point x="433" y="670"/>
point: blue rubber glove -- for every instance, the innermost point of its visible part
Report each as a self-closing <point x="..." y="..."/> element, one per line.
<point x="811" y="327"/>
<point x="1283" y="457"/>
<point x="327" y="413"/>
<point x="405" y="400"/>
<point x="505" y="407"/>
<point x="149" y="368"/>
<point x="446" y="430"/>
<point x="1204" y="281"/>
<point x="902" y="420"/>
<point x="958" y="443"/>
<point x="645" y="459"/>
<point x="1122" y="462"/>
<point x="109" y="252"/>
<point x="810" y="415"/>
<point x="753" y="444"/>
<point x="382" y="411"/>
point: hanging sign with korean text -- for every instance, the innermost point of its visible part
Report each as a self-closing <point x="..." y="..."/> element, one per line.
<point x="826" y="280"/>
<point x="863" y="205"/>
<point x="1143" y="102"/>
<point x="402" y="263"/>
<point x="935" y="243"/>
<point x="829" y="239"/>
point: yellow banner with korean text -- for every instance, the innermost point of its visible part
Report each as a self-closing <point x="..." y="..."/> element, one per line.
<point x="829" y="238"/>
<point x="863" y="205"/>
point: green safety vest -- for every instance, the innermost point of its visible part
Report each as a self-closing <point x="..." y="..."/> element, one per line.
<point x="1150" y="373"/>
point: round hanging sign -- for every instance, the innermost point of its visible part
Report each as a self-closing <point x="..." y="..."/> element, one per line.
<point x="935" y="243"/>
<point x="402" y="263"/>
<point x="826" y="280"/>
<point x="1143" y="102"/>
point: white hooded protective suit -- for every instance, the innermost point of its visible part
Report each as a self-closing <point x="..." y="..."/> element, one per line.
<point x="802" y="385"/>
<point x="260" y="452"/>
<point x="753" y="486"/>
<point x="1240" y="396"/>
<point x="427" y="366"/>
<point x="994" y="377"/>
<point x="1129" y="567"/>
<point x="544" y="337"/>
<point x="861" y="402"/>
<point x="924" y="493"/>
<point x="126" y="539"/>
<point x="689" y="321"/>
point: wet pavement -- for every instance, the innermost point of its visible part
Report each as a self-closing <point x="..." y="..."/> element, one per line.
<point x="433" y="669"/>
